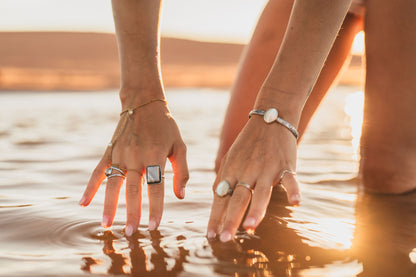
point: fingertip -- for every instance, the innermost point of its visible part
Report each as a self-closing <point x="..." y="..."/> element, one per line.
<point x="250" y="223"/>
<point x="180" y="194"/>
<point x="106" y="222"/>
<point x="179" y="185"/>
<point x="84" y="201"/>
<point x="295" y="199"/>
<point x="225" y="236"/>
<point x="129" y="230"/>
<point x="211" y="234"/>
<point x="153" y="225"/>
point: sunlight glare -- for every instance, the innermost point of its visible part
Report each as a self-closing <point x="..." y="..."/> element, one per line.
<point x="354" y="106"/>
<point x="340" y="232"/>
<point x="358" y="44"/>
<point x="412" y="256"/>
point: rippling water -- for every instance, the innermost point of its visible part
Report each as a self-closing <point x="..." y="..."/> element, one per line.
<point x="50" y="142"/>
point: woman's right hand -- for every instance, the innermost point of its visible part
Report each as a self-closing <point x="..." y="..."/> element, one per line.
<point x="148" y="138"/>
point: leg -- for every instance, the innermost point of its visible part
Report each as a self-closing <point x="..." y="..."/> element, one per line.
<point x="388" y="142"/>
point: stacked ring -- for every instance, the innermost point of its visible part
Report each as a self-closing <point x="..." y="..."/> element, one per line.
<point x="109" y="172"/>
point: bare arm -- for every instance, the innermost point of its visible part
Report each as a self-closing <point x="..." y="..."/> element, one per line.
<point x="146" y="134"/>
<point x="137" y="30"/>
<point x="262" y="152"/>
<point x="310" y="34"/>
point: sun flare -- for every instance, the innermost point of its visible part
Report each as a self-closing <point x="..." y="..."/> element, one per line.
<point x="354" y="106"/>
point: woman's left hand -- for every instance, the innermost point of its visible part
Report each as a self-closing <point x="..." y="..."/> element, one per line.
<point x="260" y="156"/>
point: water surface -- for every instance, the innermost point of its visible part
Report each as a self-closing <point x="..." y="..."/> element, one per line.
<point x="50" y="142"/>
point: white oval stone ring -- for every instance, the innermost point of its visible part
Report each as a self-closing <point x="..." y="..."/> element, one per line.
<point x="223" y="189"/>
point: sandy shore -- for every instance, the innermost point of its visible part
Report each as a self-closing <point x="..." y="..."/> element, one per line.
<point x="89" y="61"/>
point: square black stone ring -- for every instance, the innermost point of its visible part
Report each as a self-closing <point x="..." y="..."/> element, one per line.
<point x="153" y="174"/>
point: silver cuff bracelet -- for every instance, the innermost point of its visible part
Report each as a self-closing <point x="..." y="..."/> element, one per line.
<point x="272" y="115"/>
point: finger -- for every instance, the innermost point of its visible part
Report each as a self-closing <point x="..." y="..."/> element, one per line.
<point x="291" y="186"/>
<point x="237" y="206"/>
<point x="259" y="202"/>
<point x="112" y="193"/>
<point x="96" y="179"/>
<point x="134" y="184"/>
<point x="180" y="170"/>
<point x="156" y="192"/>
<point x="218" y="209"/>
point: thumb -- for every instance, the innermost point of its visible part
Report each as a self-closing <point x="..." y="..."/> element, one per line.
<point x="180" y="169"/>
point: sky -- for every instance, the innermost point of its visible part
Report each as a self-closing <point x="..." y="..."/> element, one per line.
<point x="215" y="20"/>
<point x="206" y="20"/>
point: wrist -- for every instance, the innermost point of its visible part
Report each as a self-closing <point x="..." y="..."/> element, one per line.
<point x="131" y="96"/>
<point x="289" y="105"/>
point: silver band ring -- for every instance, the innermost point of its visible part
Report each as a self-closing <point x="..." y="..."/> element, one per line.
<point x="283" y="174"/>
<point x="116" y="175"/>
<point x="244" y="185"/>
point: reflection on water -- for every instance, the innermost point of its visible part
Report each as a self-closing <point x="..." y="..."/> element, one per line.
<point x="48" y="153"/>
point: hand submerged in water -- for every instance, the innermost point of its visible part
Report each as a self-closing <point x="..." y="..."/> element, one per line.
<point x="259" y="159"/>
<point x="144" y="137"/>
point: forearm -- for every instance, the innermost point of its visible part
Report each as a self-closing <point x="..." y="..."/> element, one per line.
<point x="311" y="31"/>
<point x="137" y="30"/>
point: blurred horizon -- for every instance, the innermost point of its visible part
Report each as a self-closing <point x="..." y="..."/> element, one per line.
<point x="189" y="19"/>
<point x="74" y="47"/>
<point x="200" y="20"/>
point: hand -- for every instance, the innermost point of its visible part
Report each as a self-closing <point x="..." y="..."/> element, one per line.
<point x="148" y="138"/>
<point x="258" y="158"/>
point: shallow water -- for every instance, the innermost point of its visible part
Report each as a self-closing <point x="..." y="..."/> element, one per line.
<point x="50" y="142"/>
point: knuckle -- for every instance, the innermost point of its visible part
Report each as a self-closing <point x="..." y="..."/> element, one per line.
<point x="185" y="177"/>
<point x="97" y="171"/>
<point x="263" y="190"/>
<point x="238" y="198"/>
<point x="182" y="147"/>
<point x="155" y="191"/>
<point x="132" y="188"/>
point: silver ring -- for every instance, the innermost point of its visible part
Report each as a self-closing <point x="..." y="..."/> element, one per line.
<point x="153" y="174"/>
<point x="116" y="175"/>
<point x="283" y="174"/>
<point x="244" y="185"/>
<point x="109" y="172"/>
<point x="223" y="189"/>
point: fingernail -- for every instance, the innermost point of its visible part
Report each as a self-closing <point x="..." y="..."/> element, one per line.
<point x="295" y="199"/>
<point x="129" y="230"/>
<point x="211" y="234"/>
<point x="152" y="225"/>
<point x="82" y="201"/>
<point x="106" y="222"/>
<point x="250" y="222"/>
<point x="225" y="236"/>
<point x="182" y="193"/>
